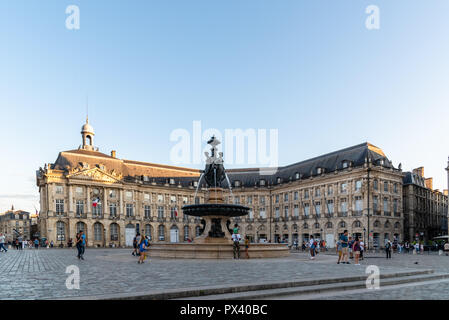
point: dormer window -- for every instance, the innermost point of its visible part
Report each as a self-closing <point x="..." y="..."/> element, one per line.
<point x="172" y="181"/>
<point x="278" y="180"/>
<point x="195" y="183"/>
<point x="345" y="164"/>
<point x="236" y="183"/>
<point x="381" y="162"/>
<point x="262" y="182"/>
<point x="319" y="170"/>
<point x="297" y="175"/>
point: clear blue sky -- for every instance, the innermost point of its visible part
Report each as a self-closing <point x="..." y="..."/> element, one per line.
<point x="307" y="68"/>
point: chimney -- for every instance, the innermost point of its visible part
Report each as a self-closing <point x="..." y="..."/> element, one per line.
<point x="429" y="183"/>
<point x="419" y="171"/>
<point x="113" y="153"/>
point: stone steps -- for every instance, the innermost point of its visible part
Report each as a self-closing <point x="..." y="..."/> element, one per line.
<point x="323" y="288"/>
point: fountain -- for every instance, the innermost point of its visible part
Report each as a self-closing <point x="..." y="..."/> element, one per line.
<point x="215" y="240"/>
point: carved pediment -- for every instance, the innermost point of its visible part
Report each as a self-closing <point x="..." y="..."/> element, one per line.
<point x="94" y="174"/>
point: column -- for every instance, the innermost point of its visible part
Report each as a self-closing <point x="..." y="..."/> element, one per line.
<point x="70" y="201"/>
<point x="88" y="203"/>
<point x="105" y="201"/>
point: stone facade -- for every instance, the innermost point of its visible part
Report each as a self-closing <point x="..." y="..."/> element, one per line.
<point x="14" y="224"/>
<point x="321" y="197"/>
<point x="425" y="209"/>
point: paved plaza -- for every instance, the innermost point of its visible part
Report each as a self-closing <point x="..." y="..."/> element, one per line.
<point x="40" y="274"/>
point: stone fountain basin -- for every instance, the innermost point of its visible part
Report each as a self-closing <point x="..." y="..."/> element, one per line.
<point x="215" y="209"/>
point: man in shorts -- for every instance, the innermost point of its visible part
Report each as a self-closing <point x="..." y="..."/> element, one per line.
<point x="339" y="252"/>
<point x="344" y="246"/>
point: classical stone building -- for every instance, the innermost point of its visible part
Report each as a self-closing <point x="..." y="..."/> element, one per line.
<point x="425" y="209"/>
<point x="15" y="223"/>
<point x="320" y="196"/>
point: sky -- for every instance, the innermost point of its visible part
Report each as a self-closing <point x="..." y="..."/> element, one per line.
<point x="309" y="69"/>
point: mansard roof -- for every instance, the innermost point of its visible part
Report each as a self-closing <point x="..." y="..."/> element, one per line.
<point x="354" y="156"/>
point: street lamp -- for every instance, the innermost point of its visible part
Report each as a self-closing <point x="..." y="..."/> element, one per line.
<point x="364" y="236"/>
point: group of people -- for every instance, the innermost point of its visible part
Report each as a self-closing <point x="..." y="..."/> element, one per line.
<point x="347" y="246"/>
<point x="18" y="244"/>
<point x="140" y="245"/>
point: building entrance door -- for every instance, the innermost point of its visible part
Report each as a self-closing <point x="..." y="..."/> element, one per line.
<point x="130" y="233"/>
<point x="174" y="235"/>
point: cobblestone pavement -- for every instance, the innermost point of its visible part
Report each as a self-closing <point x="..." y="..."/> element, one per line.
<point x="40" y="274"/>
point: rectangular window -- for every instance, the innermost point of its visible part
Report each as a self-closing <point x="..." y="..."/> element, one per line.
<point x="386" y="207"/>
<point x="386" y="186"/>
<point x="128" y="194"/>
<point x="295" y="195"/>
<point x="185" y="200"/>
<point x="276" y="211"/>
<point x="376" y="184"/>
<point x="318" y="208"/>
<point x="147" y="212"/>
<point x="173" y="212"/>
<point x="375" y="205"/>
<point x="262" y="200"/>
<point x="395" y="207"/>
<point x="343" y="206"/>
<point x="250" y="214"/>
<point x="306" y="209"/>
<point x="237" y="200"/>
<point x="285" y="197"/>
<point x="330" y="190"/>
<point x="306" y="194"/>
<point x="160" y="198"/>
<point x="277" y="198"/>
<point x="129" y="210"/>
<point x="395" y="188"/>
<point x="97" y="210"/>
<point x="317" y="192"/>
<point x="59" y="189"/>
<point x="343" y="187"/>
<point x="146" y="196"/>
<point x="59" y="206"/>
<point x="79" y="190"/>
<point x="358" y="185"/>
<point x="330" y="206"/>
<point x="286" y="212"/>
<point x="79" y="207"/>
<point x="172" y="199"/>
<point x="358" y="203"/>
<point x="296" y="210"/>
<point x="113" y="209"/>
<point x="262" y="213"/>
<point x="160" y="212"/>
<point x="249" y="199"/>
<point x="112" y="193"/>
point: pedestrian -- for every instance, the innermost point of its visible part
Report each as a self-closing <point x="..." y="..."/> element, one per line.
<point x="134" y="246"/>
<point x="2" y="243"/>
<point x="236" y="245"/>
<point x="339" y="251"/>
<point x="388" y="249"/>
<point x="344" y="246"/>
<point x="247" y="246"/>
<point x="303" y="247"/>
<point x="70" y="243"/>
<point x="312" y="246"/>
<point x="236" y="228"/>
<point x="356" y="250"/>
<point x="36" y="243"/>
<point x="51" y="244"/>
<point x="24" y="244"/>
<point x="20" y="239"/>
<point x="362" y="249"/>
<point x="143" y="245"/>
<point x="138" y="240"/>
<point x="350" y="243"/>
<point x="421" y="248"/>
<point x="83" y="244"/>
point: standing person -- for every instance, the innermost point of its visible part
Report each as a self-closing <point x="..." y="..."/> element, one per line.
<point x="344" y="246"/>
<point x="312" y="246"/>
<point x="69" y="244"/>
<point x="24" y="244"/>
<point x="51" y="244"/>
<point x="36" y="243"/>
<point x="356" y="250"/>
<point x="16" y="244"/>
<point x="388" y="249"/>
<point x="20" y="239"/>
<point x="362" y="249"/>
<point x="246" y="246"/>
<point x="143" y="245"/>
<point x="2" y="243"/>
<point x="236" y="228"/>
<point x="138" y="240"/>
<point x="350" y="243"/>
<point x="303" y="247"/>
<point x="421" y="248"/>
<point x="83" y="244"/>
<point x="339" y="251"/>
<point x="134" y="246"/>
<point x="236" y="245"/>
<point x="78" y="244"/>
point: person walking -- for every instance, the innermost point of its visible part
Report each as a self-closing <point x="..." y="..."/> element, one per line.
<point x="83" y="244"/>
<point x="78" y="244"/>
<point x="143" y="245"/>
<point x="36" y="243"/>
<point x="388" y="249"/>
<point x="51" y="244"/>
<point x="312" y="246"/>
<point x="138" y="240"/>
<point x="356" y="250"/>
<point x="236" y="245"/>
<point x="246" y="247"/>
<point x="2" y="243"/>
<point x="344" y="246"/>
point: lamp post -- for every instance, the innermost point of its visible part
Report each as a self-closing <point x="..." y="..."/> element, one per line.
<point x="364" y="236"/>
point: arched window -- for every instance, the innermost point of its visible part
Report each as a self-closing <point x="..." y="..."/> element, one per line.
<point x="357" y="224"/>
<point x="89" y="140"/>
<point x="161" y="233"/>
<point x="98" y="231"/>
<point x="329" y="225"/>
<point x="80" y="226"/>
<point x="387" y="224"/>
<point x="114" y="231"/>
<point x="397" y="225"/>
<point x="197" y="231"/>
<point x="148" y="230"/>
<point x="376" y="224"/>
<point x="342" y="224"/>
<point x="305" y="226"/>
<point x="186" y="233"/>
<point x="60" y="227"/>
<point x="316" y="225"/>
